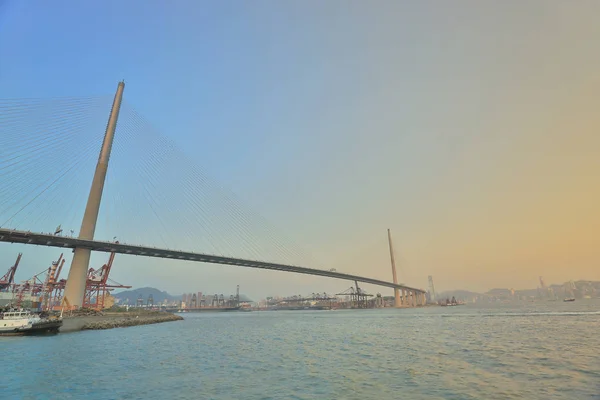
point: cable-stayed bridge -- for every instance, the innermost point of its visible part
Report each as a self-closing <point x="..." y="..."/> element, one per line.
<point x="46" y="239"/>
<point x="153" y="193"/>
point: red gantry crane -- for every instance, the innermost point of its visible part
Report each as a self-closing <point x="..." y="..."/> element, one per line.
<point x="7" y="280"/>
<point x="48" y="290"/>
<point x="99" y="286"/>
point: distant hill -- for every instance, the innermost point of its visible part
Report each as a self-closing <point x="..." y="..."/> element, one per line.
<point x="581" y="289"/>
<point x="131" y="296"/>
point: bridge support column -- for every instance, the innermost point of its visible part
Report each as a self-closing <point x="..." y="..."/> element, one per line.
<point x="397" y="300"/>
<point x="77" y="279"/>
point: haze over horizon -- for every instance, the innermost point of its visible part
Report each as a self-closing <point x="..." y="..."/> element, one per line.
<point x="469" y="128"/>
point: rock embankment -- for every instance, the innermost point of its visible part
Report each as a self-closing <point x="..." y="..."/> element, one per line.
<point x="116" y="320"/>
<point x="120" y="322"/>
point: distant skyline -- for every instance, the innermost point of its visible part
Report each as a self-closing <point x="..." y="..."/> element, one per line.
<point x="468" y="128"/>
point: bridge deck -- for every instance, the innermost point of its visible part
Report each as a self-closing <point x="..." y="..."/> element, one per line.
<point x="44" y="239"/>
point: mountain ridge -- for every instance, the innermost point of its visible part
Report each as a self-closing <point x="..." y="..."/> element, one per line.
<point x="158" y="296"/>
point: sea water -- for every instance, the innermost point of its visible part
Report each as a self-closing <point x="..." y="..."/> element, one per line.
<point x="541" y="350"/>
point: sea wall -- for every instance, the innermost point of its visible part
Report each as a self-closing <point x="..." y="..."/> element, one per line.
<point x="115" y="320"/>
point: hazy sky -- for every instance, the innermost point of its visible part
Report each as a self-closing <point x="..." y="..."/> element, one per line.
<point x="470" y="128"/>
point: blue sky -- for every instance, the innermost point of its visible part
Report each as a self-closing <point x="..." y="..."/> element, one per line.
<point x="337" y="120"/>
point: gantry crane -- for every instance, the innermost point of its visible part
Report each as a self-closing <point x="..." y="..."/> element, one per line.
<point x="7" y="280"/>
<point x="98" y="286"/>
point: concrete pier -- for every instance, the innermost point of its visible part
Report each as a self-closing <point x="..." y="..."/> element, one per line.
<point x="112" y="320"/>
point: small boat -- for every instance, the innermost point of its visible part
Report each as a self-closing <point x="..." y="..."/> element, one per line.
<point x="451" y="303"/>
<point x="23" y="322"/>
<point x="569" y="299"/>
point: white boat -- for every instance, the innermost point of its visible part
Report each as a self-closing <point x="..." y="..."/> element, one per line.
<point x="22" y="322"/>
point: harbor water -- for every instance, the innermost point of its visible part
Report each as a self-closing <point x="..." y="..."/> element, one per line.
<point x="541" y="350"/>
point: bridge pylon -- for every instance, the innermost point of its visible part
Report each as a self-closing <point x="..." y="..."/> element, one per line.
<point x="76" y="281"/>
<point x="397" y="301"/>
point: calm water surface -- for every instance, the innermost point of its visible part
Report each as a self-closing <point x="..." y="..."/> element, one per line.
<point x="546" y="350"/>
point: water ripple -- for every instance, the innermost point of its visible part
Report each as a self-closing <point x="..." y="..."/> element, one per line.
<point x="540" y="352"/>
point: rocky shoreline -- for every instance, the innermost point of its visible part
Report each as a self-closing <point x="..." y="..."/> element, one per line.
<point x="116" y="320"/>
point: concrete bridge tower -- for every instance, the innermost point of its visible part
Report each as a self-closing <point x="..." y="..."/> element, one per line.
<point x="77" y="278"/>
<point x="397" y="302"/>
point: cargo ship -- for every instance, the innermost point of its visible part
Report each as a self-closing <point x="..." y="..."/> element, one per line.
<point x="23" y="322"/>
